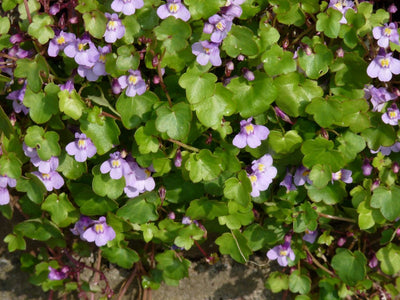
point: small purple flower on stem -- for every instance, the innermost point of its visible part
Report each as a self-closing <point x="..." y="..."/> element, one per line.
<point x="262" y="175"/>
<point x="287" y="182"/>
<point x="99" y="232"/>
<point x="51" y="180"/>
<point x="186" y="220"/>
<point x="82" y="148"/>
<point x="127" y="7"/>
<point x="392" y="8"/>
<point x="83" y="51"/>
<point x="45" y="166"/>
<point x="343" y="175"/>
<point x="18" y="99"/>
<point x="250" y="135"/>
<point x="392" y="115"/>
<point x="59" y="42"/>
<point x="4" y="194"/>
<point x="218" y="26"/>
<point x="80" y="227"/>
<point x="366" y="167"/>
<point x="115" y="87"/>
<point x="383" y="66"/>
<point x="173" y="8"/>
<point x="385" y="34"/>
<point x="207" y="52"/>
<point x="301" y="176"/>
<point x="114" y="28"/>
<point x="395" y="167"/>
<point x="116" y="166"/>
<point x="281" y="253"/>
<point x="133" y="82"/>
<point x="56" y="274"/>
<point x="232" y="9"/>
<point x="341" y="241"/>
<point x="310" y="236"/>
<point x="379" y="96"/>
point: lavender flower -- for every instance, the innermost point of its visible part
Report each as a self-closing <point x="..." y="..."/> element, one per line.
<point x="186" y="220"/>
<point x="133" y="82"/>
<point x="127" y="7"/>
<point x="262" y="174"/>
<point x="387" y="150"/>
<point x="114" y="29"/>
<point x="310" y="236"/>
<point x="250" y="135"/>
<point x="82" y="148"/>
<point x="207" y="52"/>
<point x="80" y="227"/>
<point x="232" y="9"/>
<point x="51" y="180"/>
<point x="218" y="26"/>
<point x="383" y="66"/>
<point x="379" y="96"/>
<point x="392" y="115"/>
<point x="18" y="99"/>
<point x="173" y="8"/>
<point x="301" y="176"/>
<point x="343" y="6"/>
<point x="56" y="274"/>
<point x="45" y="166"/>
<point x="4" y="194"/>
<point x="59" y="42"/>
<point x="116" y="166"/>
<point x="137" y="180"/>
<point x="69" y="86"/>
<point x="281" y="253"/>
<point x="249" y="75"/>
<point x="83" y="51"/>
<point x="343" y="175"/>
<point x="99" y="232"/>
<point x="287" y="182"/>
<point x="385" y="34"/>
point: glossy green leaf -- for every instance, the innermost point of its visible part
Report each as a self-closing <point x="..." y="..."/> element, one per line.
<point x="206" y="209"/>
<point x="103" y="185"/>
<point x="388" y="201"/>
<point x="33" y="187"/>
<point x="61" y="210"/>
<point x="187" y="235"/>
<point x="172" y="265"/>
<point x="277" y="61"/>
<point x="175" y="120"/>
<point x="328" y="22"/>
<point x="174" y="34"/>
<point x="122" y="256"/>
<point x="258" y="237"/>
<point x="234" y="244"/>
<point x="95" y="23"/>
<point x="10" y="165"/>
<point x="299" y="283"/>
<point x="15" y="242"/>
<point x="138" y="211"/>
<point x="238" y="189"/>
<point x="330" y="194"/>
<point x="240" y="40"/>
<point x="320" y="151"/>
<point x="203" y="166"/>
<point x="32" y="70"/>
<point x="40" y="28"/>
<point x="42" y="105"/>
<point x="277" y="282"/>
<point x="70" y="168"/>
<point x="389" y="258"/>
<point x="350" y="266"/>
<point x="286" y="143"/>
<point x="203" y="9"/>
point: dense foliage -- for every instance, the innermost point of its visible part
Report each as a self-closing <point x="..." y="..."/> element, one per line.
<point x="135" y="130"/>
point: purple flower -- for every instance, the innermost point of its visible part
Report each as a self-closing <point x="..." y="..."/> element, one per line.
<point x="99" y="66"/>
<point x="279" y="113"/>
<point x="392" y="8"/>
<point x="366" y="167"/>
<point x="137" y="180"/>
<point x="287" y="182"/>
<point x="114" y="29"/>
<point x="134" y="83"/>
<point x="4" y="194"/>
<point x="59" y="42"/>
<point x="127" y="7"/>
<point x="173" y="8"/>
<point x="343" y="6"/>
<point x="69" y="86"/>
<point x="45" y="166"/>
<point x="116" y="166"/>
<point x="301" y="176"/>
<point x="343" y="175"/>
<point x="232" y="9"/>
<point x="387" y="150"/>
<point x="186" y="220"/>
<point x="379" y="96"/>
<point x="51" y="180"/>
<point x="82" y="148"/>
<point x="99" y="232"/>
<point x="80" y="227"/>
<point x="392" y="115"/>
<point x="28" y="151"/>
<point x="373" y="261"/>
<point x="218" y="26"/>
<point x="262" y="174"/>
<point x="207" y="52"/>
<point x="56" y="274"/>
<point x="83" y="51"/>
<point x="178" y="159"/>
<point x="386" y="33"/>
<point x="18" y="99"/>
<point x="250" y="134"/>
<point x="310" y="236"/>
<point x="383" y="66"/>
<point x="249" y="75"/>
<point x="281" y="253"/>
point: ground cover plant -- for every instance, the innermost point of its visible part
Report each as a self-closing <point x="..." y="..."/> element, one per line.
<point x="135" y="130"/>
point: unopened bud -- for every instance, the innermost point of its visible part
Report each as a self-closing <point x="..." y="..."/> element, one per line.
<point x="398" y="232"/>
<point x="141" y="55"/>
<point x="279" y="113"/>
<point x="171" y="215"/>
<point x="13" y="119"/>
<point x="116" y="88"/>
<point x="229" y="67"/>
<point x="392" y="9"/>
<point x="249" y="75"/>
<point x="285" y="43"/>
<point x="366" y="167"/>
<point x="240" y="57"/>
<point x="161" y="193"/>
<point x="156" y="79"/>
<point x="61" y="21"/>
<point x="396" y="91"/>
<point x="288" y="238"/>
<point x="309" y="259"/>
<point x="324" y="134"/>
<point x="155" y="61"/>
<point x="307" y="50"/>
<point x="395" y="167"/>
<point x="375" y="185"/>
<point x="178" y="159"/>
<point x="16" y="38"/>
<point x="373" y="261"/>
<point x="54" y="9"/>
<point x="341" y="241"/>
<point x="73" y="17"/>
<point x="340" y="52"/>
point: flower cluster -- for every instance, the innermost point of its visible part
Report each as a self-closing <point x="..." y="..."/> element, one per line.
<point x="94" y="231"/>
<point x="218" y="26"/>
<point x="261" y="175"/>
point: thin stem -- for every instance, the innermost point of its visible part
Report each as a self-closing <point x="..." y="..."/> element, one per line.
<point x="28" y="13"/>
<point x="106" y="114"/>
<point x="315" y="261"/>
<point x="300" y="36"/>
<point x="201" y="249"/>
<point x="96" y="274"/>
<point x="127" y="283"/>
<point x="184" y="145"/>
<point x="336" y="218"/>
<point x="163" y="86"/>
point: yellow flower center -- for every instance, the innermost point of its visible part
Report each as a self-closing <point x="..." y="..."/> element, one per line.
<point x="387" y="31"/>
<point x="261" y="167"/>
<point x="249" y="128"/>
<point x="81" y="143"/>
<point x="81" y="46"/>
<point x="339" y="5"/>
<point x="173" y="8"/>
<point x="99" y="228"/>
<point x="392" y="114"/>
<point x="102" y="58"/>
<point x="115" y="163"/>
<point x="148" y="173"/>
<point x="384" y="62"/>
<point x="338" y="175"/>
<point x="220" y="26"/>
<point x="132" y="79"/>
<point x="253" y="178"/>
<point x="305" y="173"/>
<point x="45" y="176"/>
<point x="283" y="253"/>
<point x="61" y="40"/>
<point x="206" y="50"/>
<point x="112" y="25"/>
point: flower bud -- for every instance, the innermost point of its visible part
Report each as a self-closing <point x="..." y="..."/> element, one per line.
<point x="366" y="167"/>
<point x="229" y="67"/>
<point x="324" y="134"/>
<point x="16" y="38"/>
<point x="13" y="119"/>
<point x="171" y="215"/>
<point x="373" y="261"/>
<point x="116" y="88"/>
<point x="178" y="159"/>
<point x="73" y="17"/>
<point x="55" y="9"/>
<point x="341" y="241"/>
<point x="375" y="184"/>
<point x="340" y="52"/>
<point x="279" y="113"/>
<point x="249" y="75"/>
<point x="61" y="21"/>
<point x="156" y="79"/>
<point x="240" y="57"/>
<point x="396" y="91"/>
<point x="288" y="238"/>
<point x="398" y="232"/>
<point x="392" y="9"/>
<point x="395" y="167"/>
<point x="155" y="61"/>
<point x="161" y="193"/>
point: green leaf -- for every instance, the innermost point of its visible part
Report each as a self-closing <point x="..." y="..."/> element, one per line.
<point x="234" y="244"/>
<point x="350" y="266"/>
<point x="187" y="235"/>
<point x="95" y="22"/>
<point x="33" y="187"/>
<point x="147" y="143"/>
<point x="70" y="168"/>
<point x="326" y="112"/>
<point x="10" y="165"/>
<point x="258" y="237"/>
<point x="288" y="12"/>
<point x="123" y="257"/>
<point x="138" y="211"/>
<point x="40" y="28"/>
<point x="277" y="282"/>
<point x="203" y="166"/>
<point x="61" y="210"/>
<point x="388" y="201"/>
<point x="330" y="194"/>
<point x="350" y="145"/>
<point x="329" y="23"/>
<point x="203" y="9"/>
<point x="42" y="105"/>
<point x="103" y="102"/>
<point x="175" y="120"/>
<point x="174" y="34"/>
<point x="71" y="104"/>
<point x="15" y="242"/>
<point x="206" y="209"/>
<point x="253" y="97"/>
<point x="4" y="25"/>
<point x="238" y="189"/>
<point x="45" y="143"/>
<point x="379" y="134"/>
<point x="277" y="61"/>
<point x="5" y="124"/>
<point x="9" y="4"/>
<point x="104" y="136"/>
<point x="238" y="216"/>
<point x="127" y="59"/>
<point x="299" y="283"/>
<point x="135" y="110"/>
<point x="320" y="151"/>
<point x="132" y="28"/>
<point x="240" y="40"/>
<point x="268" y="35"/>
<point x="103" y="185"/>
<point x="32" y="70"/>
<point x="172" y="265"/>
<point x="41" y="230"/>
<point x="389" y="258"/>
<point x="320" y="175"/>
<point x="351" y="71"/>
<point x="87" y="6"/>
<point x="284" y="144"/>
